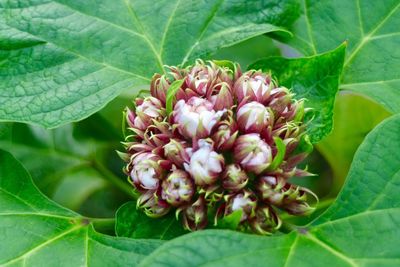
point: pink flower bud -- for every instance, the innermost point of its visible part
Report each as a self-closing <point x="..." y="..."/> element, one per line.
<point x="265" y="220"/>
<point x="234" y="178"/>
<point x="178" y="188"/>
<point x="205" y="164"/>
<point x="252" y="153"/>
<point x="299" y="208"/>
<point x="200" y="78"/>
<point x="152" y="205"/>
<point x="280" y="99"/>
<point x="253" y="86"/>
<point x="270" y="188"/>
<point x="286" y="196"/>
<point x="158" y="87"/>
<point x="225" y="133"/>
<point x="196" y="117"/>
<point x="244" y="200"/>
<point x="176" y="153"/>
<point x="222" y="96"/>
<point x="194" y="217"/>
<point x="145" y="170"/>
<point x="254" y="117"/>
<point x="146" y="110"/>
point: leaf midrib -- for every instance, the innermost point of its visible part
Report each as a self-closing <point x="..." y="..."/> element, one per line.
<point x="331" y="249"/>
<point x="366" y="38"/>
<point x="202" y="31"/>
<point x="135" y="18"/>
<point x="43" y="244"/>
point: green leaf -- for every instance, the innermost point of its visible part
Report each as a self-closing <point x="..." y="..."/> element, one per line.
<point x="62" y="60"/>
<point x="171" y="95"/>
<point x="37" y="232"/>
<point x="354" y="117"/>
<point x="231" y="221"/>
<point x="226" y="64"/>
<point x="372" y="29"/>
<point x="133" y="223"/>
<point x="248" y="51"/>
<point x="314" y="78"/>
<point x="68" y="163"/>
<point x="361" y="228"/>
<point x="281" y="148"/>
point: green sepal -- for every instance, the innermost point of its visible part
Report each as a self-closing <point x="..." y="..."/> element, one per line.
<point x="171" y="95"/>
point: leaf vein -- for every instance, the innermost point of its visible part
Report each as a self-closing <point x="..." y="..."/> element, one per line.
<point x="331" y="249"/>
<point x="202" y="32"/>
<point x="368" y="36"/>
<point x="47" y="242"/>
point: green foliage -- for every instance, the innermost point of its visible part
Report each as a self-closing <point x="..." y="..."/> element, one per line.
<point x="354" y="116"/>
<point x="231" y="221"/>
<point x="170" y="97"/>
<point x="67" y="59"/>
<point x="372" y="30"/>
<point x="314" y="78"/>
<point x="280" y="146"/>
<point x="361" y="228"/>
<point x="133" y="223"/>
<point x="68" y="164"/>
<point x="38" y="232"/>
<point x="63" y="60"/>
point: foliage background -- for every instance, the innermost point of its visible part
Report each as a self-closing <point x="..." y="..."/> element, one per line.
<point x="76" y="165"/>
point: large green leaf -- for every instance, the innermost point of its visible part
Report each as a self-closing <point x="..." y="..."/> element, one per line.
<point x="314" y="78"/>
<point x="62" y="60"/>
<point x="361" y="228"/>
<point x="68" y="163"/>
<point x="372" y="29"/>
<point x="354" y="117"/>
<point x="37" y="232"/>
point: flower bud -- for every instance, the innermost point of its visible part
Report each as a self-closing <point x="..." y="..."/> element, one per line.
<point x="145" y="171"/>
<point x="270" y="189"/>
<point x="234" y="178"/>
<point x="178" y="188"/>
<point x="244" y="200"/>
<point x="196" y="117"/>
<point x="280" y="193"/>
<point x="146" y="110"/>
<point x="194" y="217"/>
<point x="280" y="99"/>
<point x="253" y="117"/>
<point x="200" y="77"/>
<point x="152" y="205"/>
<point x="252" y="153"/>
<point x="253" y="86"/>
<point x="158" y="87"/>
<point x="225" y="133"/>
<point x="222" y="99"/>
<point x="301" y="208"/>
<point x="205" y="164"/>
<point x="176" y="153"/>
<point x="265" y="220"/>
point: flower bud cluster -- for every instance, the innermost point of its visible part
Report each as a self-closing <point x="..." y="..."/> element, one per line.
<point x="216" y="152"/>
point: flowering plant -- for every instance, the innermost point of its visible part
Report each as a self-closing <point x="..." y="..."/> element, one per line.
<point x="212" y="142"/>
